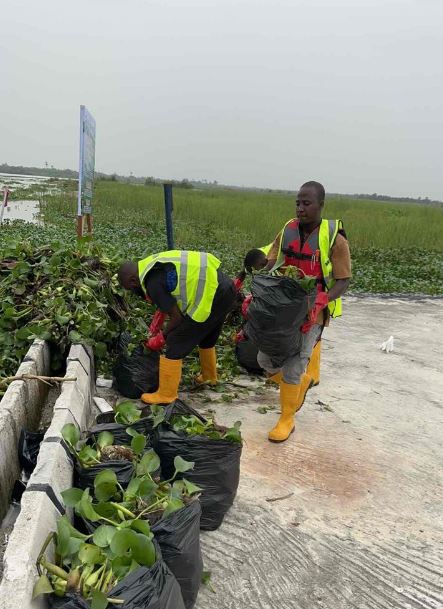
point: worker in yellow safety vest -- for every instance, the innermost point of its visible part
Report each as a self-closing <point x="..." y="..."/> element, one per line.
<point x="190" y="288"/>
<point x="319" y="248"/>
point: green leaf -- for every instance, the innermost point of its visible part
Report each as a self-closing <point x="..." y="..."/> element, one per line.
<point x="88" y="456"/>
<point x="71" y="434"/>
<point x="105" y="438"/>
<point x="42" y="586"/>
<point x="103" y="535"/>
<point x="147" y="487"/>
<point x="127" y="413"/>
<point x="105" y="485"/>
<point x="72" y="496"/>
<point x="181" y="465"/>
<point x="138" y="443"/>
<point x="132" y="488"/>
<point x="62" y="320"/>
<point x="85" y="508"/>
<point x="206" y="580"/>
<point x="174" y="504"/>
<point x="123" y="542"/>
<point x="142" y="526"/>
<point x="191" y="487"/>
<point x="233" y="433"/>
<point x="65" y="532"/>
<point x="144" y="551"/>
<point x="158" y="415"/>
<point x="149" y="463"/>
<point x="90" y="554"/>
<point x="99" y="600"/>
<point x="75" y="337"/>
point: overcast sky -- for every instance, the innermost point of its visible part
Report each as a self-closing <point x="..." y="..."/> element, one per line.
<point x="263" y="93"/>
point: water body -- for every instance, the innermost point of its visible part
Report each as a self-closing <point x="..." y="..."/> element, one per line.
<point x="23" y="210"/>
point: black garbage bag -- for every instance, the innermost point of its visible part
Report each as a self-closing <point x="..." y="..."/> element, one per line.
<point x="179" y="538"/>
<point x="144" y="588"/>
<point x="106" y="422"/>
<point x="246" y="352"/>
<point x="216" y="469"/>
<point x="278" y="308"/>
<point x="84" y="476"/>
<point x="137" y="372"/>
<point x="28" y="449"/>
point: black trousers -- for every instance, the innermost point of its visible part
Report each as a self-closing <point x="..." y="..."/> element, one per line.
<point x="189" y="334"/>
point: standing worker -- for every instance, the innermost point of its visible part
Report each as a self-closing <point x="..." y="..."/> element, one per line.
<point x="192" y="290"/>
<point x="318" y="248"/>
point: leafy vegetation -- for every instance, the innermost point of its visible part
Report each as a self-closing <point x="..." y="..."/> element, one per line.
<point x="90" y="453"/>
<point x="193" y="426"/>
<point x="91" y="565"/>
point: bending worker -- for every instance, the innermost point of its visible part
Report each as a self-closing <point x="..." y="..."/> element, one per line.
<point x="318" y="248"/>
<point x="192" y="290"/>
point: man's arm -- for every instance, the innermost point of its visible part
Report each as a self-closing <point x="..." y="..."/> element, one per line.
<point x="341" y="267"/>
<point x="175" y="319"/>
<point x="339" y="288"/>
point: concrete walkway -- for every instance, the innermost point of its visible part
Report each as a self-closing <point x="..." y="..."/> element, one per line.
<point x="363" y="525"/>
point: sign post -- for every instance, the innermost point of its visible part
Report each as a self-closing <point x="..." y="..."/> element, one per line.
<point x="86" y="171"/>
<point x="4" y="203"/>
<point x="169" y="207"/>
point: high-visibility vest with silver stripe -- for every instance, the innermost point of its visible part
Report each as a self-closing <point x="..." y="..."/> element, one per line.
<point x="197" y="279"/>
<point x="266" y="248"/>
<point x="327" y="235"/>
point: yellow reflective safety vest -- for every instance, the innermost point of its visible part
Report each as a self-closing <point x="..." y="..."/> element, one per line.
<point x="266" y="248"/>
<point x="321" y="241"/>
<point x="197" y="279"/>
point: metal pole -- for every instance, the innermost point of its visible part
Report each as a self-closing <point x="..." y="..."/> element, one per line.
<point x="168" y="214"/>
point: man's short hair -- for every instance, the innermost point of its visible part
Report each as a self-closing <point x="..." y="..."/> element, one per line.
<point x="319" y="189"/>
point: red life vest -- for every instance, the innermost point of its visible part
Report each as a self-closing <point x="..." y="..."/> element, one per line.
<point x="306" y="257"/>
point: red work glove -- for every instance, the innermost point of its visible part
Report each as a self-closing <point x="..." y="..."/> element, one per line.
<point x="157" y="323"/>
<point x="240" y="336"/>
<point x="321" y="301"/>
<point x="238" y="284"/>
<point x="245" y="305"/>
<point x="156" y="343"/>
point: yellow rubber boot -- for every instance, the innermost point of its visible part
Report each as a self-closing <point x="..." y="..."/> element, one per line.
<point x="275" y="378"/>
<point x="313" y="368"/>
<point x="288" y="401"/>
<point x="208" y="364"/>
<point x="305" y="385"/>
<point x="169" y="379"/>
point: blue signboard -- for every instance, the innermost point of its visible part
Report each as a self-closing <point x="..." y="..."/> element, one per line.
<point x="87" y="162"/>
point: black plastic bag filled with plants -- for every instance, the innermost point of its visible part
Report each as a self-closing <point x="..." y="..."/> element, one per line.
<point x="28" y="449"/>
<point x="137" y="372"/>
<point x="84" y="476"/>
<point x="125" y="415"/>
<point x="278" y="308"/>
<point x="99" y="454"/>
<point x="144" y="588"/>
<point x="246" y="352"/>
<point x="179" y="538"/>
<point x="217" y="463"/>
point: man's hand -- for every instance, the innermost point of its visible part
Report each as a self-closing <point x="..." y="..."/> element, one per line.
<point x="321" y="301"/>
<point x="156" y="343"/>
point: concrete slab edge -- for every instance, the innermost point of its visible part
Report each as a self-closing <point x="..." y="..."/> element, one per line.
<point x="20" y="407"/>
<point x="42" y="504"/>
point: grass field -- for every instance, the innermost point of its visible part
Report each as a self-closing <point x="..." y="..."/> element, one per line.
<point x="396" y="248"/>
